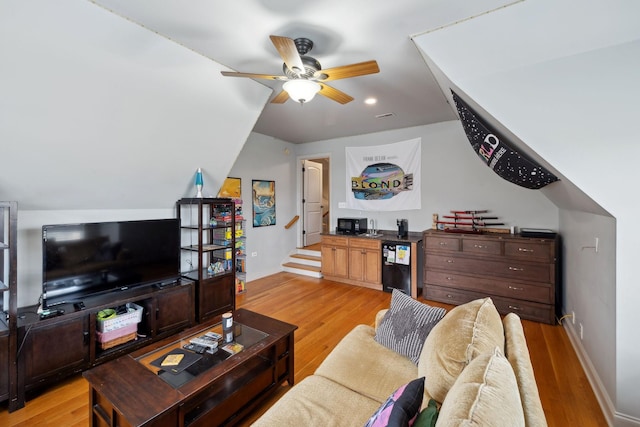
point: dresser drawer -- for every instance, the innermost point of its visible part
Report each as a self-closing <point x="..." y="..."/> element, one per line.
<point x="486" y="247"/>
<point x="526" y="310"/>
<point x="530" y="250"/>
<point x="511" y="269"/>
<point x="364" y="243"/>
<point x="525" y="291"/>
<point x="442" y="243"/>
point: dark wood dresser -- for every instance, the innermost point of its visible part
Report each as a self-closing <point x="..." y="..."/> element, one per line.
<point x="520" y="274"/>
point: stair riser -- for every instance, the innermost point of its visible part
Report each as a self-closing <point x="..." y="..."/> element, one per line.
<point x="302" y="272"/>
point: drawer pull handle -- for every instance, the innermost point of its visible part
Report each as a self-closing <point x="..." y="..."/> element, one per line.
<point x="449" y="296"/>
<point x="449" y="278"/>
<point x="516" y="269"/>
<point x="450" y="261"/>
<point x="443" y="243"/>
<point x="513" y="307"/>
<point x="515" y="288"/>
<point x="480" y="246"/>
<point x="525" y="250"/>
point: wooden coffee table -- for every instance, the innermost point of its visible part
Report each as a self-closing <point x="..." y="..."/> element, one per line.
<point x="216" y="389"/>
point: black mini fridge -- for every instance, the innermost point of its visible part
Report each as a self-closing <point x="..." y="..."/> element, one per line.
<point x="396" y="267"/>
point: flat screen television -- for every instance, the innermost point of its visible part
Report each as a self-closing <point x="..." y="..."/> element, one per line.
<point x="80" y="260"/>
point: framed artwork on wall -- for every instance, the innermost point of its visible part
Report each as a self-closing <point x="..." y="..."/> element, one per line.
<point x="231" y="187"/>
<point x="264" y="202"/>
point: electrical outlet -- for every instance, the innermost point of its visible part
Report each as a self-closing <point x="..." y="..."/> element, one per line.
<point x="254" y="254"/>
<point x="573" y="317"/>
<point x="581" y="331"/>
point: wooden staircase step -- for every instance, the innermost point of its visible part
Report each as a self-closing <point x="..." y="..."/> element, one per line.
<point x="301" y="266"/>
<point x="307" y="257"/>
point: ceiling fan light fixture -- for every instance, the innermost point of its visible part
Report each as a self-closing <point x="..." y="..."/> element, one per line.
<point x="301" y="90"/>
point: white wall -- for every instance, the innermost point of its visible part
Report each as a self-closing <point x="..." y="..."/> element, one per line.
<point x="97" y="112"/>
<point x="267" y="158"/>
<point x="103" y="120"/>
<point x="453" y="178"/>
<point x="570" y="93"/>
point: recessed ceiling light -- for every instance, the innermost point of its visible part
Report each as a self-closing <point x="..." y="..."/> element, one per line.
<point x="370" y="101"/>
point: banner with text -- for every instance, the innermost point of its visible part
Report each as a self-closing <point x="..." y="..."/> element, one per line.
<point x="384" y="177"/>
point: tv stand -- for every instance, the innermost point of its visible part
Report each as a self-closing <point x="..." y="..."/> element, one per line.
<point x="166" y="310"/>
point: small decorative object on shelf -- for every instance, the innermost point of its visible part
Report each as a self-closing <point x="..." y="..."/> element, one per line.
<point x="471" y="222"/>
<point x="199" y="183"/>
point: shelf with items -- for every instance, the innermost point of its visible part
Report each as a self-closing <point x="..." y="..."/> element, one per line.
<point x="208" y="240"/>
<point x="240" y="248"/>
<point x="8" y="303"/>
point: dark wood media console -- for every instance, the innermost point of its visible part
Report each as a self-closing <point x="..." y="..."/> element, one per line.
<point x="53" y="348"/>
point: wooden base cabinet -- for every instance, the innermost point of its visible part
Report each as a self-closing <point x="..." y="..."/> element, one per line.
<point x="521" y="275"/>
<point x="352" y="260"/>
<point x="54" y="348"/>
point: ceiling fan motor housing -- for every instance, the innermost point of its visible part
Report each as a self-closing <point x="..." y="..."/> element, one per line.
<point x="311" y="65"/>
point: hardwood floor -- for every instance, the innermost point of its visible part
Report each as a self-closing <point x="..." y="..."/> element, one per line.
<point x="324" y="312"/>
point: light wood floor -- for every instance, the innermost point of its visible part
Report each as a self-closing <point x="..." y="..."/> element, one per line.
<point x="324" y="312"/>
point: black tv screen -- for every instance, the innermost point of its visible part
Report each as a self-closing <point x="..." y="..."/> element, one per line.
<point x="86" y="259"/>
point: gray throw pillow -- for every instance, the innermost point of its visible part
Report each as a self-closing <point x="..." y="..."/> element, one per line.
<point x="406" y="325"/>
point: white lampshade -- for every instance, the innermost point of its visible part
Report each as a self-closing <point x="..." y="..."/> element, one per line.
<point x="301" y="90"/>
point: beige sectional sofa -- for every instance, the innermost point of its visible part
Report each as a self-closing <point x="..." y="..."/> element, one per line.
<point x="476" y="365"/>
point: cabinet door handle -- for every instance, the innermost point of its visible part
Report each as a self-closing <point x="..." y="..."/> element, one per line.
<point x="516" y="269"/>
<point x="514" y="288"/>
<point x="85" y="337"/>
<point x="525" y="250"/>
<point x="513" y="307"/>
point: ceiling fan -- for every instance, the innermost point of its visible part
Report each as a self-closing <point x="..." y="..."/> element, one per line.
<point x="303" y="75"/>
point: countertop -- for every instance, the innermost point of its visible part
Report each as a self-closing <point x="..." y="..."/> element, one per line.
<point x="384" y="235"/>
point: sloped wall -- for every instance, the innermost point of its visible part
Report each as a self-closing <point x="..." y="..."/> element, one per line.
<point x="101" y="119"/>
<point x="99" y="113"/>
<point x="565" y="84"/>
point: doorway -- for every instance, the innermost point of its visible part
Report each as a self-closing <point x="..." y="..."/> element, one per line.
<point x="315" y="199"/>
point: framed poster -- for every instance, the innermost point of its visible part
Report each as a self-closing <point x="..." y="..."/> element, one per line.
<point x="264" y="202"/>
<point x="231" y="187"/>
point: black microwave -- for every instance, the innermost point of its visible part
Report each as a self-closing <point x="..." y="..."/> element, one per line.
<point x="351" y="226"/>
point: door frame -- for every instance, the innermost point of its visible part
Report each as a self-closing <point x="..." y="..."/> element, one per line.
<point x="300" y="191"/>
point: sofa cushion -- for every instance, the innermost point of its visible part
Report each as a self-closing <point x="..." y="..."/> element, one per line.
<point x="465" y="332"/>
<point x="317" y="401"/>
<point x="406" y="325"/>
<point x="358" y="362"/>
<point x="485" y="394"/>
<point x="401" y="408"/>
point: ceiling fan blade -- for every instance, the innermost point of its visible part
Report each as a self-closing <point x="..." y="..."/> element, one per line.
<point x="334" y="94"/>
<point x="253" y="76"/>
<point x="353" y="70"/>
<point x="280" y="98"/>
<point x="287" y="49"/>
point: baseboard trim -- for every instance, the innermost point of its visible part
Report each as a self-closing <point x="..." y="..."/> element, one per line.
<point x="606" y="404"/>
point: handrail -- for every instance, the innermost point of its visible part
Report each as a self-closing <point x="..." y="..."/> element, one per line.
<point x="293" y="221"/>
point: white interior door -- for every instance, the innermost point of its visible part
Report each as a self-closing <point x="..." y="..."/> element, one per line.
<point x="312" y="201"/>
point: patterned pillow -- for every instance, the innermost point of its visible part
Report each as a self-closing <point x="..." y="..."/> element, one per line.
<point x="406" y="325"/>
<point x="401" y="408"/>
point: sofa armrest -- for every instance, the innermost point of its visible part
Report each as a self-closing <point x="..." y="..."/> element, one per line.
<point x="517" y="353"/>
<point x="379" y="317"/>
